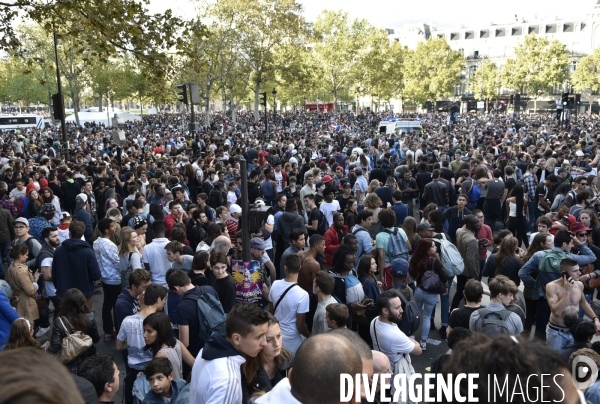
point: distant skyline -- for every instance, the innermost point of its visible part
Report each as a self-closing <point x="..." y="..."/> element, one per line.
<point x="444" y="14"/>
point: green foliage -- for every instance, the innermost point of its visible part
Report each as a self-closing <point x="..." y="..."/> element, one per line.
<point x="485" y="83"/>
<point x="538" y="65"/>
<point x="431" y="71"/>
<point x="587" y="74"/>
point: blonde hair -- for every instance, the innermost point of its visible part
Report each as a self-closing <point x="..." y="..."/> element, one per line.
<point x="126" y="247"/>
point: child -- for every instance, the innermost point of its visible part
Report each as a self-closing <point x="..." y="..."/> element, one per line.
<point x="163" y="387"/>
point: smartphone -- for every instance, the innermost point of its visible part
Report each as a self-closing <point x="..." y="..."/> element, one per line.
<point x="565" y="275"/>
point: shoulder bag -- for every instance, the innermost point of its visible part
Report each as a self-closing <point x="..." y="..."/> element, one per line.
<point x="431" y="281"/>
<point x="74" y="344"/>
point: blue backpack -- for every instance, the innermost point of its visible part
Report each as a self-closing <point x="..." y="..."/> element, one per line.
<point x="211" y="315"/>
<point x="397" y="246"/>
<point x="475" y="192"/>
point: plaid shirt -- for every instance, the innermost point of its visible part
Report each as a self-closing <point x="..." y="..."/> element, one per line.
<point x="8" y="205"/>
<point x="529" y="180"/>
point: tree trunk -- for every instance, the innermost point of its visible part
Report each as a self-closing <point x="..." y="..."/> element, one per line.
<point x="256" y="111"/>
<point x="75" y="109"/>
<point x="100" y="103"/>
<point x="232" y="103"/>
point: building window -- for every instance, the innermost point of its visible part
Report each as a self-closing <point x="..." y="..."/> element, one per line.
<point x="440" y="36"/>
<point x="534" y="29"/>
<point x="500" y="32"/>
<point x="454" y="36"/>
<point x="469" y="35"/>
<point x="476" y="54"/>
<point x="551" y="29"/>
<point x="582" y="26"/>
<point x="484" y="33"/>
<point x="516" y="31"/>
<point x="568" y="27"/>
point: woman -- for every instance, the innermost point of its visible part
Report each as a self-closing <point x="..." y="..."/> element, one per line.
<point x="300" y="210"/>
<point x="350" y="213"/>
<point x="372" y="203"/>
<point x="425" y="215"/>
<point x="21" y="336"/>
<point x="367" y="266"/>
<point x="262" y="372"/>
<point x="129" y="254"/>
<point x="49" y="197"/>
<point x="518" y="214"/>
<point x="560" y="194"/>
<point x="589" y="218"/>
<point x="291" y="191"/>
<point x="158" y="336"/>
<point x="191" y="181"/>
<point x="373" y="185"/>
<point x="410" y="228"/>
<point x="75" y="315"/>
<point x="110" y="203"/>
<point x="541" y="242"/>
<point x="198" y="274"/>
<point x="33" y="205"/>
<point x="224" y="283"/>
<point x="425" y="259"/>
<point x="507" y="261"/>
<point x="23" y="284"/>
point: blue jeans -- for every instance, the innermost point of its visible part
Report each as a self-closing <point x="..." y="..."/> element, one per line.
<point x="442" y="208"/>
<point x="427" y="301"/>
<point x="558" y="340"/>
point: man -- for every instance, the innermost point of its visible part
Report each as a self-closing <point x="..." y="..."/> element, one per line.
<point x="128" y="302"/>
<point x="187" y="309"/>
<point x="81" y="213"/>
<point x="40" y="222"/>
<point x="70" y="189"/>
<point x="530" y="181"/>
<point x="330" y="205"/>
<point x="232" y="223"/>
<point x="543" y="225"/>
<point x="75" y="265"/>
<point x="231" y="196"/>
<point x="322" y="288"/>
<point x="436" y="192"/>
<point x="580" y="185"/>
<point x="494" y="196"/>
<point x="131" y="336"/>
<point x="399" y="208"/>
<point x="175" y="255"/>
<point x="336" y="315"/>
<point x="308" y="189"/>
<point x="298" y="240"/>
<point x="484" y="237"/>
<point x="43" y="262"/>
<point x="251" y="280"/>
<point x="502" y="292"/>
<point x="7" y="235"/>
<point x="333" y="238"/>
<point x="382" y="370"/>
<point x="364" y="351"/>
<point x="17" y="192"/>
<point x="360" y="186"/>
<point x="542" y="195"/>
<point x="107" y="255"/>
<point x="102" y="371"/>
<point x="315" y="216"/>
<point x="385" y="192"/>
<point x="288" y="221"/>
<point x="364" y="220"/>
<point x="155" y="256"/>
<point x="473" y="294"/>
<point x="410" y="190"/>
<point x="584" y="201"/>
<point x="176" y="216"/>
<point x="317" y="369"/>
<point x="88" y="190"/>
<point x="387" y="337"/>
<point x="6" y="203"/>
<point x="543" y="268"/>
<point x="468" y="247"/>
<point x="216" y="376"/>
<point x="138" y="206"/>
<point x="456" y="216"/>
<point x="211" y="215"/>
<point x="565" y="296"/>
<point x="179" y="196"/>
<point x="309" y="262"/>
<point x="290" y="303"/>
<point x="21" y="226"/>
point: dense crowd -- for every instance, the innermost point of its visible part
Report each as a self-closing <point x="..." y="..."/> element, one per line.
<point x="356" y="237"/>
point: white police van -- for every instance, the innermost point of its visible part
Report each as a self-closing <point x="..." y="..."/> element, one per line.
<point x="392" y="126"/>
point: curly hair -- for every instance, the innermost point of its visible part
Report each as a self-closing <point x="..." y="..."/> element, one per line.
<point x="372" y="201"/>
<point x="339" y="257"/>
<point x="387" y="218"/>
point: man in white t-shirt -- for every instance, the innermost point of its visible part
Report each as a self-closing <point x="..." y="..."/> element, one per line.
<point x="290" y="303"/>
<point x="330" y="205"/>
<point x="177" y="258"/>
<point x="387" y="337"/>
<point x="322" y="288"/>
<point x="44" y="263"/>
<point x="155" y="256"/>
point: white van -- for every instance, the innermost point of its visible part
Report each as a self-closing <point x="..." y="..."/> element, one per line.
<point x="397" y="126"/>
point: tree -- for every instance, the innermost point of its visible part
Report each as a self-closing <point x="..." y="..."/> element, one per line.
<point x="485" y="83"/>
<point x="538" y="65"/>
<point x="587" y="74"/>
<point x="431" y="71"/>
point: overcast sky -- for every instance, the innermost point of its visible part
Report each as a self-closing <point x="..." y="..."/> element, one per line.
<point x="443" y="13"/>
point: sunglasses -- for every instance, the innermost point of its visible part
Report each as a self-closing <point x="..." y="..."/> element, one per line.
<point x="582" y="235"/>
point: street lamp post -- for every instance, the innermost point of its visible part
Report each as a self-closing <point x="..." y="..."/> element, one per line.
<point x="60" y="96"/>
<point x="274" y="92"/>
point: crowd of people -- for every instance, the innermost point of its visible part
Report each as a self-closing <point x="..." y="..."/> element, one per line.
<point x="356" y="238"/>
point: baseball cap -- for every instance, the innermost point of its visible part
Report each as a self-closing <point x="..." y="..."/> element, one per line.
<point x="235" y="208"/>
<point x="65" y="215"/>
<point x="81" y="198"/>
<point x="399" y="268"/>
<point x="139" y="222"/>
<point x="424" y="227"/>
<point x="327" y="178"/>
<point x="47" y="209"/>
<point x="258" y="244"/>
<point x="579" y="153"/>
<point x="22" y="220"/>
<point x="259" y="203"/>
<point x="561" y="170"/>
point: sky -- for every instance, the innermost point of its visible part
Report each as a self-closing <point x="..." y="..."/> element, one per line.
<point x="443" y="14"/>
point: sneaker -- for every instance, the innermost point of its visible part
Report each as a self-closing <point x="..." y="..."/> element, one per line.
<point x="41" y="332"/>
<point x="423" y="346"/>
<point x="443" y="332"/>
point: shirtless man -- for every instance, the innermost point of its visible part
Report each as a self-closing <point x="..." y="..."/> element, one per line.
<point x="308" y="270"/>
<point x="565" y="295"/>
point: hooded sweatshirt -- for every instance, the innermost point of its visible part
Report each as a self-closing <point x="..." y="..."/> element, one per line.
<point x="289" y="221"/>
<point x="216" y="376"/>
<point x="75" y="266"/>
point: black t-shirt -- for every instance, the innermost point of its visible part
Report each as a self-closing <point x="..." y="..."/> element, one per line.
<point x="198" y="279"/>
<point x="543" y="191"/>
<point x="343" y="201"/>
<point x="461" y="317"/>
<point x="187" y="314"/>
<point x="315" y="214"/>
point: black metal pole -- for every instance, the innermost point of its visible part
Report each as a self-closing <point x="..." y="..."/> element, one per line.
<point x="266" y="120"/>
<point x="245" y="212"/>
<point x="60" y="96"/>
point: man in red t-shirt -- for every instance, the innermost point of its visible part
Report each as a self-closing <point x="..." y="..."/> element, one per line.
<point x="485" y="238"/>
<point x="261" y="156"/>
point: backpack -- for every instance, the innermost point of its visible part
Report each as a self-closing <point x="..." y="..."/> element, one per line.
<point x="493" y="322"/>
<point x="323" y="224"/>
<point x="211" y="315"/>
<point x="549" y="267"/>
<point x="452" y="261"/>
<point x="475" y="192"/>
<point x="411" y="318"/>
<point x="213" y="199"/>
<point x="353" y="288"/>
<point x="397" y="248"/>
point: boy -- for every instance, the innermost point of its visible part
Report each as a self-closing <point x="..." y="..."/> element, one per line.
<point x="177" y="258"/>
<point x="164" y="388"/>
<point x="543" y="224"/>
<point x="322" y="288"/>
<point x="502" y="293"/>
<point x="336" y="315"/>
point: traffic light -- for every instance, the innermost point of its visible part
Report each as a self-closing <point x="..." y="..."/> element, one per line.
<point x="577" y="99"/>
<point x="565" y="99"/>
<point x="263" y="99"/>
<point x="517" y="102"/>
<point x="58" y="106"/>
<point x="182" y="93"/>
